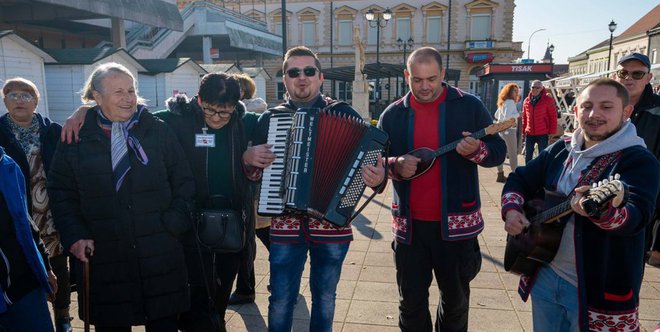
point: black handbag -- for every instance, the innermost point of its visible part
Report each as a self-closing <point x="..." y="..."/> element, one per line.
<point x="221" y="230"/>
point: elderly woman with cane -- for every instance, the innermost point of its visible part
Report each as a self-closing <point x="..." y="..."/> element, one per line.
<point x="122" y="193"/>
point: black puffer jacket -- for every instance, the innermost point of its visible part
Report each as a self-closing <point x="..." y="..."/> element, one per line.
<point x="138" y="271"/>
<point x="186" y="119"/>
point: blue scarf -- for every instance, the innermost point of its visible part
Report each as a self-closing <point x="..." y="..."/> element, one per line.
<point x="120" y="139"/>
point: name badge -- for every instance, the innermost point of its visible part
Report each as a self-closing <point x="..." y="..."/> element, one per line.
<point x="205" y="140"/>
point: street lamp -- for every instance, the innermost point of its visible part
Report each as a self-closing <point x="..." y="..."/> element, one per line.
<point x="380" y="21"/>
<point x="405" y="45"/>
<point x="612" y="27"/>
<point x="529" y="41"/>
<point x="551" y="48"/>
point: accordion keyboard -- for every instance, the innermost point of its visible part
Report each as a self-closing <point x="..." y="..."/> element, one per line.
<point x="272" y="200"/>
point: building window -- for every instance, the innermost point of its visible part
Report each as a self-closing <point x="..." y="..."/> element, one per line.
<point x="434" y="25"/>
<point x="308" y="33"/>
<point x="278" y="27"/>
<point x="345" y="91"/>
<point x="371" y="35"/>
<point x="480" y="27"/>
<point x="345" y="33"/>
<point x="654" y="56"/>
<point x="403" y="28"/>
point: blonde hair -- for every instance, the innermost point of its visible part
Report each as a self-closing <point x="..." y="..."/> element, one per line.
<point x="95" y="81"/>
<point x="248" y="87"/>
<point x="20" y="83"/>
<point x="507" y="93"/>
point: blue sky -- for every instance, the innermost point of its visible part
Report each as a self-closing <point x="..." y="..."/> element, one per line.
<point x="573" y="25"/>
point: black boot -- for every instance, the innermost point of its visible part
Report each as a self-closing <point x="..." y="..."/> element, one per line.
<point x="63" y="324"/>
<point x="500" y="177"/>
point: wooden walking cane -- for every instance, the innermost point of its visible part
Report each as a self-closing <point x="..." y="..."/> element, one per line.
<point x="86" y="290"/>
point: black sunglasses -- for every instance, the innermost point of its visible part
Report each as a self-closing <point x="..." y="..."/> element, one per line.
<point x="636" y="75"/>
<point x="295" y="72"/>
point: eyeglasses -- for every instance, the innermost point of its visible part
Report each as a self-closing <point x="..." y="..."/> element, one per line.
<point x="295" y="72"/>
<point x="16" y="96"/>
<point x="224" y="112"/>
<point x="636" y="75"/>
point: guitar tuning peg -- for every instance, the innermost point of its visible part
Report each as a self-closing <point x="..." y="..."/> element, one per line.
<point x="611" y="178"/>
<point x="605" y="182"/>
<point x="594" y="185"/>
<point x="617" y="176"/>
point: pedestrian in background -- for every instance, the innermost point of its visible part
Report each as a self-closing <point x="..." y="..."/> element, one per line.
<point x="245" y="279"/>
<point x="539" y="119"/>
<point x="634" y="72"/>
<point x="506" y="109"/>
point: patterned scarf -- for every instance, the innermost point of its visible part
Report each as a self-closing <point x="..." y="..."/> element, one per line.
<point x="120" y="139"/>
<point x="26" y="137"/>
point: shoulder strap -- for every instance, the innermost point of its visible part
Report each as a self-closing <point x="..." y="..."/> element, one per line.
<point x="598" y="168"/>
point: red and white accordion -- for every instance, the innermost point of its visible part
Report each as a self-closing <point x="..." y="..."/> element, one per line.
<point x="318" y="168"/>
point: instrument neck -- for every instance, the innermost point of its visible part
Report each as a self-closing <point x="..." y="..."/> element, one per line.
<point x="478" y="134"/>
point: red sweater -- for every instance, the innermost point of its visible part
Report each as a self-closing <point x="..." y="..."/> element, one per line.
<point x="425" y="190"/>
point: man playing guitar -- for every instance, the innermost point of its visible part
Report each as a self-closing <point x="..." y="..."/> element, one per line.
<point x="593" y="281"/>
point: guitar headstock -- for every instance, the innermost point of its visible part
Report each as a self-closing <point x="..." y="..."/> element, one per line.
<point x="604" y="191"/>
<point x="500" y="126"/>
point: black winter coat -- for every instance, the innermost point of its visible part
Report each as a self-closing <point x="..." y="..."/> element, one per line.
<point x="138" y="272"/>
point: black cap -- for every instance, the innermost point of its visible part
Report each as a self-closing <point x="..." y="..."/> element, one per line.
<point x="637" y="56"/>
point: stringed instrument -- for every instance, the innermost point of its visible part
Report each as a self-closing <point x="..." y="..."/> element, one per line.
<point x="539" y="242"/>
<point x="428" y="156"/>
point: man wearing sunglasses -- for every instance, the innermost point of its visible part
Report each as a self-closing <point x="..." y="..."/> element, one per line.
<point x="294" y="235"/>
<point x="539" y="119"/>
<point x="634" y="73"/>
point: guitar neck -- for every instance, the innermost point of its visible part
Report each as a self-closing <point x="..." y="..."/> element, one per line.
<point x="552" y="214"/>
<point x="451" y="146"/>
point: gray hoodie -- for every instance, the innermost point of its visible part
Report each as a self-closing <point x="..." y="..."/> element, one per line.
<point x="564" y="262"/>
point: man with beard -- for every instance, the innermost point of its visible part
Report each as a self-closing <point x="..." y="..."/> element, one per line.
<point x="294" y="234"/>
<point x="593" y="282"/>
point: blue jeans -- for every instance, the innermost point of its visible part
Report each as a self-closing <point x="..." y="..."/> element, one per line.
<point x="554" y="303"/>
<point x="530" y="140"/>
<point x="28" y="314"/>
<point x="286" y="266"/>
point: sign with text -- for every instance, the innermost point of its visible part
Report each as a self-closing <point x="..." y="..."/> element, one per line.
<point x="517" y="68"/>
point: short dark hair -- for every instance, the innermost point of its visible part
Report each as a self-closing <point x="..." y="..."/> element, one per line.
<point x="219" y="89"/>
<point x="424" y="54"/>
<point x="299" y="51"/>
<point x="621" y="90"/>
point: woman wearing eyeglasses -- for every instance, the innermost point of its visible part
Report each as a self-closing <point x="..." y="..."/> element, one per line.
<point x="30" y="139"/>
<point x="214" y="128"/>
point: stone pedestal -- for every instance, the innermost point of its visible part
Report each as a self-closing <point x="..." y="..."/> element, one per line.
<point x="361" y="98"/>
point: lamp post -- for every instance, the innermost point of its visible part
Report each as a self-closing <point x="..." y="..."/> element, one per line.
<point x="405" y="45"/>
<point x="612" y="27"/>
<point x="380" y="20"/>
<point x="529" y="41"/>
<point x="551" y="48"/>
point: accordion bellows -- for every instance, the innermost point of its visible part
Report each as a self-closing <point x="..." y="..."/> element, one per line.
<point x="318" y="169"/>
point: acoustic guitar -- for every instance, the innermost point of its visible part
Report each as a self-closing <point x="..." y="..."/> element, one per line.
<point x="539" y="242"/>
<point x="428" y="156"/>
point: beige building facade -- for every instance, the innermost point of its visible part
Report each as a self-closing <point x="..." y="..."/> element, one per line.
<point x="480" y="31"/>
